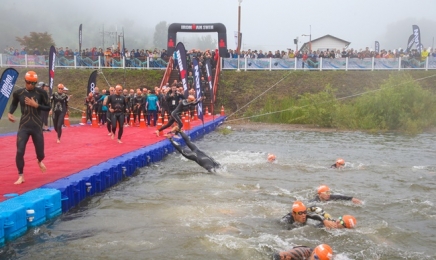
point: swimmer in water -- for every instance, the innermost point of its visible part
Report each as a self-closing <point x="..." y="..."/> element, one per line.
<point x="324" y="194"/>
<point x="321" y="252"/>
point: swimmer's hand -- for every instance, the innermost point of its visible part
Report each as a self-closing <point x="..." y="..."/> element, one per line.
<point x="11" y="117"/>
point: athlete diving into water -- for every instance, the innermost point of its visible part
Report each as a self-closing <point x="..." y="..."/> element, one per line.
<point x="193" y="153"/>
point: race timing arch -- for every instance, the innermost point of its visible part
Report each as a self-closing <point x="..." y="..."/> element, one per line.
<point x="174" y="28"/>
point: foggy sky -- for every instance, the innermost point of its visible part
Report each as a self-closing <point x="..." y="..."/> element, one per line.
<point x="266" y="25"/>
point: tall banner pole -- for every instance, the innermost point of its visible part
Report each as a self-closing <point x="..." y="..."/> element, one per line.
<point x="80" y="40"/>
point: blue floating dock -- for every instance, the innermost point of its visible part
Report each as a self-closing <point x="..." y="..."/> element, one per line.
<point x="33" y="208"/>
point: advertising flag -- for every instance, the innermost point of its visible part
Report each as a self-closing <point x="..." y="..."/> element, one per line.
<point x="92" y="82"/>
<point x="197" y="77"/>
<point x="9" y="77"/>
<point x="180" y="56"/>
<point x="377" y="47"/>
<point x="417" y="38"/>
<point x="51" y="67"/>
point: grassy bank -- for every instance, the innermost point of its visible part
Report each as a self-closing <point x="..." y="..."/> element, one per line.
<point x="281" y="90"/>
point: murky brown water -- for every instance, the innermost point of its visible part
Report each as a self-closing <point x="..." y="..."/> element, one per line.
<point x="175" y="210"/>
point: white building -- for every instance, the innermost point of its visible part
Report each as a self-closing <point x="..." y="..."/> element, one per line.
<point x="325" y="42"/>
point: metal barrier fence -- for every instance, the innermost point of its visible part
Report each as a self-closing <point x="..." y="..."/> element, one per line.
<point x="245" y="64"/>
<point x="329" y="64"/>
<point x="97" y="62"/>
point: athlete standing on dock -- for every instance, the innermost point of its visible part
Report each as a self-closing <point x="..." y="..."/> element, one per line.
<point x="59" y="108"/>
<point x="32" y="100"/>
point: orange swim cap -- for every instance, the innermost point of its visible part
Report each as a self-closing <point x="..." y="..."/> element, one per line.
<point x="271" y="157"/>
<point x="340" y="161"/>
<point x="323" y="188"/>
<point x="298" y="206"/>
<point x="349" y="221"/>
<point x="324" y="252"/>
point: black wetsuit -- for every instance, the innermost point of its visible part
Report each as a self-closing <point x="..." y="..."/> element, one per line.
<point x="89" y="102"/>
<point x="59" y="106"/>
<point x="183" y="104"/>
<point x="119" y="105"/>
<point x="291" y="224"/>
<point x="30" y="123"/>
<point x="137" y="103"/>
<point x="195" y="154"/>
<point x="332" y="197"/>
<point x="296" y="253"/>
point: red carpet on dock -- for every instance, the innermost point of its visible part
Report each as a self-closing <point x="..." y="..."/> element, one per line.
<point x="81" y="147"/>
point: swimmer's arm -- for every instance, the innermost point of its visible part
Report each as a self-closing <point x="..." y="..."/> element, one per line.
<point x="44" y="105"/>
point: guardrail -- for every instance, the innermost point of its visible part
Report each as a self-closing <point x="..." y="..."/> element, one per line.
<point x="99" y="62"/>
<point x="95" y="62"/>
<point x="329" y="64"/>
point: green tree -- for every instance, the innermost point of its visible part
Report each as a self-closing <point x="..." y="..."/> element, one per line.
<point x="160" y="35"/>
<point x="36" y="40"/>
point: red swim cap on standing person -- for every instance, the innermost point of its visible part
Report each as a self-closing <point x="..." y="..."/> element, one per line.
<point x="191" y="98"/>
<point x="31" y="76"/>
<point x="323" y="252"/>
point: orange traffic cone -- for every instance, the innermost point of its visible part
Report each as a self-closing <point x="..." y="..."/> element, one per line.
<point x="186" y="124"/>
<point x="195" y="114"/>
<point x="67" y="120"/>
<point x="83" y="122"/>
<point x="131" y="119"/>
<point x="222" y="111"/>
<point x="159" y="122"/>
<point x="165" y="118"/>
<point x="141" y="121"/>
<point x="94" y="120"/>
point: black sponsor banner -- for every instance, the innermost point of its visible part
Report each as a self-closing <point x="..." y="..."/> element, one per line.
<point x="197" y="77"/>
<point x="92" y="82"/>
<point x="377" y="47"/>
<point x="51" y="67"/>
<point x="180" y="56"/>
<point x="417" y="38"/>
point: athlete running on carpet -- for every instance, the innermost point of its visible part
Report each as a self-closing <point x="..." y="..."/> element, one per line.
<point x="190" y="101"/>
<point x="193" y="153"/>
<point x="32" y="100"/>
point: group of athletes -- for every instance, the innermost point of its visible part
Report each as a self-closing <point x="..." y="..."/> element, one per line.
<point x="115" y="106"/>
<point x="300" y="214"/>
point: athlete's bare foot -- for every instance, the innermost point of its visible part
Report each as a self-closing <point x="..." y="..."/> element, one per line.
<point x="157" y="132"/>
<point x="109" y="134"/>
<point x="112" y="136"/>
<point x="119" y="141"/>
<point x="58" y="141"/>
<point x="20" y="180"/>
<point x="42" y="166"/>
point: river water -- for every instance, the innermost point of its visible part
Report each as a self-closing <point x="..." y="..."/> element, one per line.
<point x="176" y="210"/>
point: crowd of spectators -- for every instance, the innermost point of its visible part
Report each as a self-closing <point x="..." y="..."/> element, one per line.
<point x="111" y="54"/>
